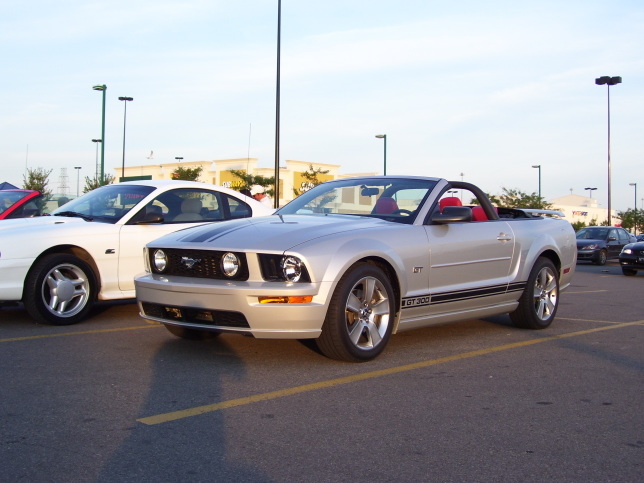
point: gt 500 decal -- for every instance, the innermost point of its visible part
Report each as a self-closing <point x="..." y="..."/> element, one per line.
<point x="460" y="295"/>
<point x="416" y="301"/>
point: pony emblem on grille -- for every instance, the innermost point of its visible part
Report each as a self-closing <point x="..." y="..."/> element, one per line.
<point x="190" y="262"/>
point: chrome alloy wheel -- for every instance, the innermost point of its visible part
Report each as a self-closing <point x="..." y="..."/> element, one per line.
<point x="545" y="293"/>
<point x="65" y="290"/>
<point x="367" y="313"/>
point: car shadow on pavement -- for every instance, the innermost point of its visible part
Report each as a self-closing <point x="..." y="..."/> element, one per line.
<point x="188" y="449"/>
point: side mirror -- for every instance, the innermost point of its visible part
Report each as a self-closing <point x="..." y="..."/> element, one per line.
<point x="151" y="219"/>
<point x="453" y="214"/>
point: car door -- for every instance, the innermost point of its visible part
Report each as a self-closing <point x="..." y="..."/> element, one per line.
<point x="470" y="264"/>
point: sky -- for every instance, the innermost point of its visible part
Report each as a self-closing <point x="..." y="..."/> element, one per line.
<point x="473" y="89"/>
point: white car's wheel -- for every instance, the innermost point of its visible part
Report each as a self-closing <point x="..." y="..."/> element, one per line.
<point x="59" y="290"/>
<point x="539" y="301"/>
<point x="361" y="314"/>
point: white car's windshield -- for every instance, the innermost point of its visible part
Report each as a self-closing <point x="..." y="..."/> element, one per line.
<point x="107" y="204"/>
<point x="393" y="199"/>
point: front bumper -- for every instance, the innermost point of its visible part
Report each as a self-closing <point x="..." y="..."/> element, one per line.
<point x="588" y="254"/>
<point x="233" y="306"/>
<point x="12" y="277"/>
<point x="632" y="262"/>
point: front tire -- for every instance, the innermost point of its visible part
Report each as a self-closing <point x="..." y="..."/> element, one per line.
<point x="361" y="315"/>
<point x="191" y="334"/>
<point x="60" y="289"/>
<point x="629" y="272"/>
<point x="601" y="257"/>
<point x="539" y="301"/>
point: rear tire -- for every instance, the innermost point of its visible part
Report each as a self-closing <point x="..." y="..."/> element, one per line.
<point x="361" y="315"/>
<point x="191" y="334"/>
<point x="60" y="289"/>
<point x="539" y="301"/>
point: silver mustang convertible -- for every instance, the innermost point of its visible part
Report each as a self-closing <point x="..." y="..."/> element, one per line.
<point x="352" y="261"/>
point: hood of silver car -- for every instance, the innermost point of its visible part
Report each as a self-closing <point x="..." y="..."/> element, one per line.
<point x="267" y="233"/>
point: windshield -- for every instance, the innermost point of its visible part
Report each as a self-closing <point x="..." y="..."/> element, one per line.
<point x="107" y="204"/>
<point x="393" y="199"/>
<point x="592" y="234"/>
<point x="10" y="198"/>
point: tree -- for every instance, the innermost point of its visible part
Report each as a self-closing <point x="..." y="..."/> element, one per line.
<point x="632" y="220"/>
<point x="246" y="181"/>
<point x="514" y="198"/>
<point x="37" y="179"/>
<point x="187" y="174"/>
<point x="311" y="177"/>
<point x="95" y="182"/>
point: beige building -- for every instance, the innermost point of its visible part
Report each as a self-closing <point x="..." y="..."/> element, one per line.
<point x="582" y="208"/>
<point x="218" y="172"/>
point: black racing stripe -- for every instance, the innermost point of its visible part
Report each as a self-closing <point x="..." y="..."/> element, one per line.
<point x="216" y="231"/>
<point x="461" y="295"/>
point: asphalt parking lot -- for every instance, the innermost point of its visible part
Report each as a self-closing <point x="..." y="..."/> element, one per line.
<point x="118" y="399"/>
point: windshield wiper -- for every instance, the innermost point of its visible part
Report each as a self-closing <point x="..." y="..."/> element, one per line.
<point x="74" y="214"/>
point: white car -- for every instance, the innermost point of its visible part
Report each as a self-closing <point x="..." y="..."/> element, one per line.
<point x="92" y="247"/>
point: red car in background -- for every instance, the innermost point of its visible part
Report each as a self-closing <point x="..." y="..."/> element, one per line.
<point x="20" y="204"/>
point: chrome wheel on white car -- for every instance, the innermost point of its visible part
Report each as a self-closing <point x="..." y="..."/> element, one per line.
<point x="540" y="299"/>
<point x="59" y="290"/>
<point x="360" y="317"/>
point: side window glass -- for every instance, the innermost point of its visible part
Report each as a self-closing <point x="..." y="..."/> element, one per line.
<point x="238" y="209"/>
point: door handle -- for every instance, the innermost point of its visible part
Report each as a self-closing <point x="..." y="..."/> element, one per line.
<point x="502" y="237"/>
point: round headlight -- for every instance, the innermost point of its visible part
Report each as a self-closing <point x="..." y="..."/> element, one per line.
<point x="628" y="251"/>
<point x="292" y="268"/>
<point x="229" y="264"/>
<point x="160" y="260"/>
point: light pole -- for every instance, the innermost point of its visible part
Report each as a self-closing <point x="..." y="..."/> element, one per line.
<point x="276" y="201"/>
<point x="590" y="190"/>
<point x="77" y="168"/>
<point x="634" y="185"/>
<point x="539" y="167"/>
<point x="126" y="99"/>
<point x="98" y="168"/>
<point x="384" y="136"/>
<point x="608" y="81"/>
<point x="103" y="89"/>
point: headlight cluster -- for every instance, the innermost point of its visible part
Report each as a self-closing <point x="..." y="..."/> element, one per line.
<point x="230" y="264"/>
<point x="627" y="251"/>
<point x="283" y="268"/>
<point x="160" y="260"/>
<point x="591" y="246"/>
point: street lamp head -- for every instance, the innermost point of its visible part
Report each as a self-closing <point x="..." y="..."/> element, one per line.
<point x="97" y="140"/>
<point x="381" y="136"/>
<point x="632" y="184"/>
<point x="100" y="87"/>
<point x="605" y="79"/>
<point x="536" y="165"/>
<point x="126" y="98"/>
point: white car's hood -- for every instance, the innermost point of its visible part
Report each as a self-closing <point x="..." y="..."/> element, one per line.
<point x="36" y="223"/>
<point x="268" y="233"/>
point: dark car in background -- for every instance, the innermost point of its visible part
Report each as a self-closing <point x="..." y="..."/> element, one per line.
<point x="599" y="243"/>
<point x="20" y="204"/>
<point x="631" y="258"/>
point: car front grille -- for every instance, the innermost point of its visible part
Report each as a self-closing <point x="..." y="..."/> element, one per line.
<point x="218" y="318"/>
<point x="198" y="264"/>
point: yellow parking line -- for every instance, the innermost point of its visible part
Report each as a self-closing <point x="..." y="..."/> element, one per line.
<point x="65" y="334"/>
<point x="186" y="413"/>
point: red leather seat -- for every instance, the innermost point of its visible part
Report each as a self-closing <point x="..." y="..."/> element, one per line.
<point x="449" y="201"/>
<point x="478" y="214"/>
<point x="385" y="205"/>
